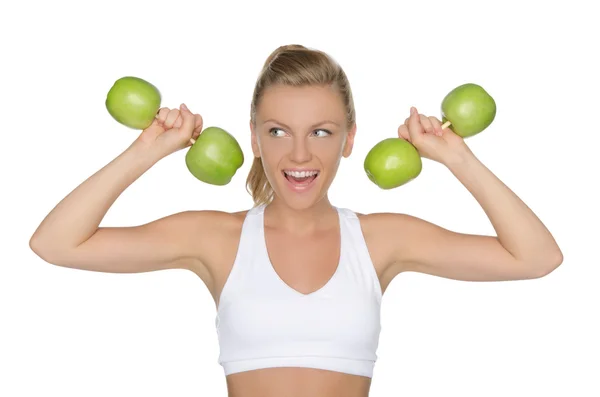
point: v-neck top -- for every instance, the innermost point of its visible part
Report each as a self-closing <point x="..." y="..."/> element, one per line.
<point x="262" y="322"/>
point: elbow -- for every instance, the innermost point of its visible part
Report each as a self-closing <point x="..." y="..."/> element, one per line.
<point x="35" y="245"/>
<point x="547" y="266"/>
<point x="43" y="250"/>
<point x="559" y="258"/>
<point x="555" y="261"/>
<point x="39" y="248"/>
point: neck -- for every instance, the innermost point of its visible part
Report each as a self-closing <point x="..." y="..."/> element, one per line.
<point x="299" y="221"/>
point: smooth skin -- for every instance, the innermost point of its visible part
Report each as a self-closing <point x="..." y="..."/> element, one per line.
<point x="301" y="229"/>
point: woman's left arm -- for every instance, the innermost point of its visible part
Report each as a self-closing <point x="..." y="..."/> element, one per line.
<point x="522" y="249"/>
<point x="518" y="229"/>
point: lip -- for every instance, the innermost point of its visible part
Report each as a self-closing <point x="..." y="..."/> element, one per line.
<point x="300" y="169"/>
<point x="296" y="188"/>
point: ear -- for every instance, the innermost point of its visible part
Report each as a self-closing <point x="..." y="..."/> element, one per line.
<point x="349" y="141"/>
<point x="254" y="141"/>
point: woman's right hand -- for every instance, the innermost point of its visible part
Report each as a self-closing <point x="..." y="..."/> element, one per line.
<point x="172" y="130"/>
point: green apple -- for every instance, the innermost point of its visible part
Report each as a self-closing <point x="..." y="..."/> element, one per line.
<point x="469" y="108"/>
<point x="133" y="102"/>
<point x="215" y="156"/>
<point x="392" y="162"/>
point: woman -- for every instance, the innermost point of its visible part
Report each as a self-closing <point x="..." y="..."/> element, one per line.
<point x="297" y="282"/>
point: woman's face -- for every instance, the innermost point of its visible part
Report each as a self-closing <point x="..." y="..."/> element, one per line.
<point x="301" y="135"/>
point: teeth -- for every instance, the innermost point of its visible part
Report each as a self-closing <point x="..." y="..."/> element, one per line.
<point x="301" y="174"/>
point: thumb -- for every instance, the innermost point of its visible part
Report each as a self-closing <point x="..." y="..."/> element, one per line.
<point x="414" y="124"/>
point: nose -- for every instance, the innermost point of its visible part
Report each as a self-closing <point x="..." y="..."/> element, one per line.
<point x="301" y="151"/>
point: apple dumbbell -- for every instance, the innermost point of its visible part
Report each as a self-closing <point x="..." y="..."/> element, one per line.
<point x="213" y="158"/>
<point x="467" y="110"/>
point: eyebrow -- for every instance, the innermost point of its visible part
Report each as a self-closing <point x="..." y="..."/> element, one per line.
<point x="312" y="126"/>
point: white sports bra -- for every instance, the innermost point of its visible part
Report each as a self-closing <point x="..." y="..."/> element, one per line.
<point x="262" y="322"/>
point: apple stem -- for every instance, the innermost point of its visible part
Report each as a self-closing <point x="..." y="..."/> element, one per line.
<point x="192" y="140"/>
<point x="446" y="124"/>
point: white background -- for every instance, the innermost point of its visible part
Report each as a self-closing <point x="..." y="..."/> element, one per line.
<point x="75" y="333"/>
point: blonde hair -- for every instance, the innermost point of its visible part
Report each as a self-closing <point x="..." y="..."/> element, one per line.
<point x="294" y="65"/>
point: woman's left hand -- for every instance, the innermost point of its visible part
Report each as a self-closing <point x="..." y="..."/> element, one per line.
<point x="427" y="136"/>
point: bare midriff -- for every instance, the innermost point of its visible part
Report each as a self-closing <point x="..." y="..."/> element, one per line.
<point x="296" y="382"/>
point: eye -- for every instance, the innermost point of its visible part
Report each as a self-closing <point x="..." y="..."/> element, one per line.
<point x="327" y="132"/>
<point x="272" y="132"/>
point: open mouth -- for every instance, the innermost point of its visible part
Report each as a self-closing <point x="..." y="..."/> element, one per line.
<point x="301" y="179"/>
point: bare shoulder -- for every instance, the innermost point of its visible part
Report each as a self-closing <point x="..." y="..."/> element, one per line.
<point x="216" y="244"/>
<point x="397" y="236"/>
<point x="218" y="219"/>
<point x="395" y="241"/>
<point x="381" y="232"/>
<point x="211" y="229"/>
<point x="381" y="223"/>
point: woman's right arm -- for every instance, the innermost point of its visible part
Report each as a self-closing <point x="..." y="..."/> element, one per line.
<point x="70" y="235"/>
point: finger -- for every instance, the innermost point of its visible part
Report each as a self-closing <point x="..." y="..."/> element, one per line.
<point x="437" y="125"/>
<point x="188" y="120"/>
<point x="415" y="129"/>
<point x="178" y="122"/>
<point x="403" y="132"/>
<point x="198" y="123"/>
<point x="172" y="118"/>
<point x="195" y="136"/>
<point x="161" y="115"/>
<point x="427" y="126"/>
